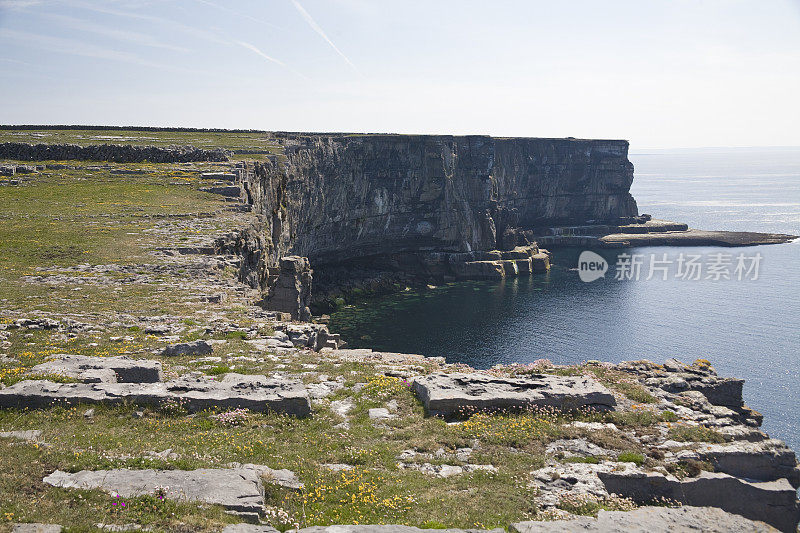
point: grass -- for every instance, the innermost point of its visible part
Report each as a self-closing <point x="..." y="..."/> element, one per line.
<point x="684" y="433"/>
<point x="631" y="457"/>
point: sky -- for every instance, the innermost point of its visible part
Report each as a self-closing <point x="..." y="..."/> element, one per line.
<point x="660" y="73"/>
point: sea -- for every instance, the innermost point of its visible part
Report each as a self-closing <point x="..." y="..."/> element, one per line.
<point x="739" y="308"/>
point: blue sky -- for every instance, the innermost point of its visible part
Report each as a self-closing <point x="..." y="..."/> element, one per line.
<point x="662" y="73"/>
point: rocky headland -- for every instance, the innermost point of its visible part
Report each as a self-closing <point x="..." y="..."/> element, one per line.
<point x="175" y="366"/>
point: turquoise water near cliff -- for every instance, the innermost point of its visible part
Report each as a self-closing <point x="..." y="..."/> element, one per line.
<point x="748" y="328"/>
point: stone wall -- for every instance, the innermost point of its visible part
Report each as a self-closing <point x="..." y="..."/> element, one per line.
<point x="108" y="152"/>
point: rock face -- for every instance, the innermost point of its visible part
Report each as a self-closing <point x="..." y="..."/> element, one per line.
<point x="773" y="502"/>
<point x="458" y="395"/>
<point x="767" y="460"/>
<point x="404" y="203"/>
<point x="107" y="152"/>
<point x="339" y="197"/>
<point x="650" y="520"/>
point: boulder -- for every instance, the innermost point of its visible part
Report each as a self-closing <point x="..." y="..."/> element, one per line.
<point x="479" y="270"/>
<point x="650" y="520"/>
<point x="510" y="267"/>
<point x="524" y="266"/>
<point x="198" y="347"/>
<point x="541" y="262"/>
<point x="458" y="395"/>
<point x="120" y="369"/>
<point x="773" y="502"/>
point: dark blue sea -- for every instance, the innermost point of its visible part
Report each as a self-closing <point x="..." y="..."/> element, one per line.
<point x="746" y="327"/>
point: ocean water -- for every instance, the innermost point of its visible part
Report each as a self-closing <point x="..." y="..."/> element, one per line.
<point x="748" y="328"/>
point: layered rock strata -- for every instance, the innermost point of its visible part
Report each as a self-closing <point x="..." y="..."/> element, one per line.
<point x="389" y="207"/>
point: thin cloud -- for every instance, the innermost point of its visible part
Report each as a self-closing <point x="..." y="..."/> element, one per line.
<point x="72" y="47"/>
<point x="319" y="30"/>
<point x="120" y="35"/>
<point x="254" y="49"/>
<point x="238" y="13"/>
<point x="174" y="25"/>
<point x="18" y="4"/>
<point x="271" y="59"/>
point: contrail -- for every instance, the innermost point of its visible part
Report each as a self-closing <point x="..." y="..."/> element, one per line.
<point x="259" y="52"/>
<point x="316" y="28"/>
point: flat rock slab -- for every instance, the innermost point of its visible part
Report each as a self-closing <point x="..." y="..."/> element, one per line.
<point x="458" y="395"/>
<point x="773" y="502"/>
<point x="650" y="520"/>
<point x="193" y="392"/>
<point x="26" y="434"/>
<point x="388" y="529"/>
<point x="102" y="369"/>
<point x="198" y="347"/>
<point x="248" y="528"/>
<point x="236" y="489"/>
<point x="36" y="528"/>
<point x="694" y="237"/>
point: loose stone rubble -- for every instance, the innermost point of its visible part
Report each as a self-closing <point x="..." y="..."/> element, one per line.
<point x="457" y="395"/>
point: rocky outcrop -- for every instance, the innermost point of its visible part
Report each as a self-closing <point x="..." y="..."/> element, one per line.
<point x="459" y="395"/>
<point x="773" y="502"/>
<point x="289" y="288"/>
<point x="108" y="152"/>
